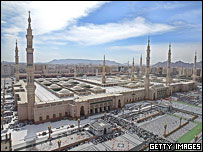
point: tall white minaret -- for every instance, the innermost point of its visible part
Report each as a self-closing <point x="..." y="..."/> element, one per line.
<point x="168" y="77"/>
<point x="133" y="71"/>
<point x="146" y="80"/>
<point x="104" y="72"/>
<point x="194" y="68"/>
<point x="30" y="72"/>
<point x="128" y="70"/>
<point x="140" y="73"/>
<point x="17" y="62"/>
<point x="75" y="70"/>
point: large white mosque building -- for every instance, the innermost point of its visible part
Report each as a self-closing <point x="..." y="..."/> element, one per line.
<point x="46" y="99"/>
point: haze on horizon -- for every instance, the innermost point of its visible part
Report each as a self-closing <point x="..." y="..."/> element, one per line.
<point x="88" y="30"/>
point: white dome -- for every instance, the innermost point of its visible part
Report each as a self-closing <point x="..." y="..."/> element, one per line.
<point x="46" y="82"/>
<point x="55" y="80"/>
<point x="130" y="84"/>
<point x="97" y="88"/>
<point x="71" y="81"/>
<point x="48" y="79"/>
<point x="139" y="84"/>
<point x="83" y="85"/>
<point x="77" y="88"/>
<point x="64" y="79"/>
<point x="66" y="84"/>
<point x="40" y="79"/>
<point x="64" y="91"/>
<point x="54" y="86"/>
<point x="61" y="82"/>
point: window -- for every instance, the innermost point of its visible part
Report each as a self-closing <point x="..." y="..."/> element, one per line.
<point x="47" y="117"/>
<point x="54" y="115"/>
<point x="60" y="114"/>
<point x="66" y="113"/>
<point x="40" y="118"/>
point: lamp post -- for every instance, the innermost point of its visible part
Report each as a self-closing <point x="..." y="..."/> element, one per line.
<point x="139" y="108"/>
<point x="180" y="121"/>
<point x="105" y="115"/>
<point x="123" y="112"/>
<point x="59" y="144"/>
<point x="78" y="125"/>
<point x="165" y="126"/>
<point x="196" y="137"/>
<point x="49" y="129"/>
<point x="2" y="119"/>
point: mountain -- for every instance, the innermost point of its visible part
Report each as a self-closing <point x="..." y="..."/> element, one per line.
<point x="178" y="64"/>
<point x="82" y="61"/>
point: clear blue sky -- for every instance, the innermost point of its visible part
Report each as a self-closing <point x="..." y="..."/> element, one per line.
<point x="88" y="30"/>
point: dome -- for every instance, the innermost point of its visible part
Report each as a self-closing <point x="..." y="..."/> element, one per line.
<point x="46" y="82"/>
<point x="64" y="91"/>
<point x="139" y="84"/>
<point x="77" y="88"/>
<point x="130" y="84"/>
<point x="40" y="79"/>
<point x="64" y="79"/>
<point x="66" y="84"/>
<point x="55" y="80"/>
<point x="82" y="85"/>
<point x="97" y="88"/>
<point x="48" y="79"/>
<point x="71" y="81"/>
<point x="61" y="82"/>
<point x="54" y="86"/>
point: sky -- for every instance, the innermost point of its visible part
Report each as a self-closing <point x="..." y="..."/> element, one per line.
<point x="88" y="30"/>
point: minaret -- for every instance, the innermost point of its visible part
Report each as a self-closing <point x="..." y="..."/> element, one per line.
<point x="128" y="70"/>
<point x="103" y="72"/>
<point x="194" y="68"/>
<point x="17" y="62"/>
<point x="168" y="78"/>
<point x="140" y="73"/>
<point x="75" y="74"/>
<point x="30" y="72"/>
<point x="146" y="80"/>
<point x="133" y="72"/>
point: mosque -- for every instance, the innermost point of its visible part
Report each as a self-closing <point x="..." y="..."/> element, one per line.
<point x="49" y="99"/>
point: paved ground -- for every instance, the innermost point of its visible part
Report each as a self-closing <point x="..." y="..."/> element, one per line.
<point x="121" y="143"/>
<point x="53" y="144"/>
<point x="157" y="125"/>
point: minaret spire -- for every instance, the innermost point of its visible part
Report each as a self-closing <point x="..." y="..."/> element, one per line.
<point x="17" y="62"/>
<point x="140" y="73"/>
<point x="29" y="19"/>
<point x="168" y="77"/>
<point x="30" y="72"/>
<point x="128" y="69"/>
<point x="133" y="71"/>
<point x="146" y="81"/>
<point x="194" y="68"/>
<point x="148" y="40"/>
<point x="103" y="71"/>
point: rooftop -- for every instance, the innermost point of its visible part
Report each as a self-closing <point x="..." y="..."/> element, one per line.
<point x="98" y="124"/>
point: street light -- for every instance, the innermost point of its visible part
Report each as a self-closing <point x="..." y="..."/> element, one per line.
<point x="49" y="129"/>
<point x="78" y="125"/>
<point x="180" y="121"/>
<point x="196" y="137"/>
<point x="165" y="126"/>
<point x="59" y="144"/>
<point x="105" y="115"/>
